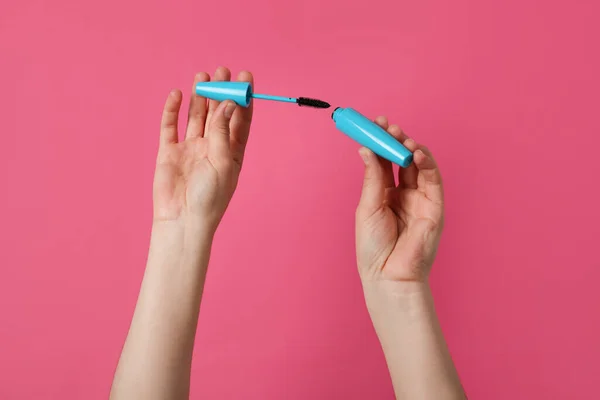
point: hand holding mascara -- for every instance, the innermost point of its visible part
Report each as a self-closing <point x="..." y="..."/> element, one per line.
<point x="397" y="234"/>
<point x="349" y="121"/>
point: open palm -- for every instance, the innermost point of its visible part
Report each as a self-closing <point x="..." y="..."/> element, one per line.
<point x="196" y="177"/>
<point x="398" y="226"/>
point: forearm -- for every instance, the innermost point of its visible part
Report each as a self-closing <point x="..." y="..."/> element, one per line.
<point x="156" y="359"/>
<point x="404" y="318"/>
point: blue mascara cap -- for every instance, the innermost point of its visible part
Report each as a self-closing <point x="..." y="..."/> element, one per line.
<point x="239" y="92"/>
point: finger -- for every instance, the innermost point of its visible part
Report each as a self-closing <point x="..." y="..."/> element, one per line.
<point x="198" y="109"/>
<point x="397" y="133"/>
<point x="407" y="177"/>
<point x="221" y="74"/>
<point x="382" y="121"/>
<point x="400" y="136"/>
<point x="388" y="169"/>
<point x="373" y="190"/>
<point x="430" y="178"/>
<point x="219" y="150"/>
<point x="170" y="115"/>
<point x="240" y="123"/>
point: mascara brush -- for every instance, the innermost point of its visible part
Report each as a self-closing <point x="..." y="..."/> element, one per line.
<point x="241" y="93"/>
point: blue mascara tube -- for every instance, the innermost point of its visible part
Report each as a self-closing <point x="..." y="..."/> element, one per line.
<point x="367" y="133"/>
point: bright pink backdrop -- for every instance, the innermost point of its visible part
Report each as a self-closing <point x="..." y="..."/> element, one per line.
<point x="505" y="93"/>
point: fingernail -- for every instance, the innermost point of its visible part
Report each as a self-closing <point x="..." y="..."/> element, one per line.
<point x="410" y="144"/>
<point x="364" y="155"/>
<point x="229" y="109"/>
<point x="381" y="120"/>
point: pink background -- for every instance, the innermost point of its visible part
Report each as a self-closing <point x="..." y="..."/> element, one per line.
<point x="505" y="93"/>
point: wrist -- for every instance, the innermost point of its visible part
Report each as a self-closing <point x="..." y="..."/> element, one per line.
<point x="387" y="300"/>
<point x="188" y="226"/>
<point x="395" y="291"/>
<point x="180" y="243"/>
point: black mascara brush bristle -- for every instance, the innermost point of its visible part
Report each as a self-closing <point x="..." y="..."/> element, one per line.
<point x="305" y="101"/>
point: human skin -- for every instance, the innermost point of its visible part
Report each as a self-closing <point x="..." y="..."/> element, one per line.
<point x="397" y="230"/>
<point x="193" y="183"/>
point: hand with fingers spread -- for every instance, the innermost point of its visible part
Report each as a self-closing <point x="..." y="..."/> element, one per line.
<point x="195" y="178"/>
<point x="194" y="181"/>
<point x="398" y="229"/>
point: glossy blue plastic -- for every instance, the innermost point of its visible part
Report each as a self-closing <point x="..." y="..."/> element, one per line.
<point x="367" y="133"/>
<point x="239" y="92"/>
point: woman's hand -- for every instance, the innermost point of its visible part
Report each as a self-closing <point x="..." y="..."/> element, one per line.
<point x="398" y="226"/>
<point x="195" y="178"/>
<point x="193" y="184"/>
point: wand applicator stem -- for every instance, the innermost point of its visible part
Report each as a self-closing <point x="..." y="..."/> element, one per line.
<point x="274" y="98"/>
<point x="241" y="93"/>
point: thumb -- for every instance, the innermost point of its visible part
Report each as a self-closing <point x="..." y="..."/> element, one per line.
<point x="373" y="190"/>
<point x="218" y="132"/>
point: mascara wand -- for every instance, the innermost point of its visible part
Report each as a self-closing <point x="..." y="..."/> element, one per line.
<point x="241" y="93"/>
<point x="347" y="120"/>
